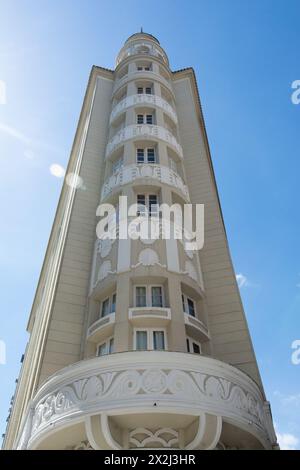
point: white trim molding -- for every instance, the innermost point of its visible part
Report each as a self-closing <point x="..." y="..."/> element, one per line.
<point x="148" y="131"/>
<point x="129" y="173"/>
<point x="143" y="99"/>
<point x="130" y="383"/>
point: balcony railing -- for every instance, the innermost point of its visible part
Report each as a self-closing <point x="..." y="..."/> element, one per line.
<point x="101" y="329"/>
<point x="143" y="99"/>
<point x="146" y="131"/>
<point x="130" y="173"/>
<point x="149" y="316"/>
<point x="125" y="386"/>
<point x="196" y="327"/>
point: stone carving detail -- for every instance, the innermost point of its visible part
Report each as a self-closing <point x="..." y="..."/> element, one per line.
<point x="134" y="100"/>
<point x="104" y="247"/>
<point x="83" y="445"/>
<point x="130" y="173"/>
<point x="144" y="48"/>
<point x="143" y="130"/>
<point x="104" y="270"/>
<point x="164" y="437"/>
<point x="191" y="270"/>
<point x="190" y="386"/>
<point x="148" y="257"/>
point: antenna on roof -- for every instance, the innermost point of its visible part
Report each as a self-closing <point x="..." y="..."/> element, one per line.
<point x="141" y="29"/>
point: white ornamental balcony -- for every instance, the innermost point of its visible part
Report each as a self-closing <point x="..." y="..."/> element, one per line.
<point x="145" y="48"/>
<point x="155" y="399"/>
<point x="196" y="328"/>
<point x="149" y="316"/>
<point x="145" y="131"/>
<point x="143" y="75"/>
<point x="101" y="329"/>
<point x="143" y="99"/>
<point x="130" y="173"/>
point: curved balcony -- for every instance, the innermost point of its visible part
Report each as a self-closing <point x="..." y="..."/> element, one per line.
<point x="196" y="328"/>
<point x="143" y="100"/>
<point x="101" y="329"/>
<point x="149" y="316"/>
<point x="145" y="131"/>
<point x="130" y="173"/>
<point x="146" y="48"/>
<point x="142" y="75"/>
<point x="120" y="400"/>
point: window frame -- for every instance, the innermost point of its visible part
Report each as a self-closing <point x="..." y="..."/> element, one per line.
<point x="147" y="204"/>
<point x="110" y="304"/>
<point x="185" y="299"/>
<point x="145" y="156"/>
<point x="107" y="344"/>
<point x="150" y="338"/>
<point x="148" y="288"/>
<point x="191" y="341"/>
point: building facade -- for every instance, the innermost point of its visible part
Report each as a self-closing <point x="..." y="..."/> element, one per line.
<point x="138" y="343"/>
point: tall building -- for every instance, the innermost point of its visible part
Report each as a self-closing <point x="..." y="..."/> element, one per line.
<point x="138" y="343"/>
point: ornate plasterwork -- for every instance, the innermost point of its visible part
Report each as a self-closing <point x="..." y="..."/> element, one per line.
<point x="104" y="247"/>
<point x="129" y="173"/>
<point x="145" y="131"/>
<point x="143" y="99"/>
<point x="190" y="270"/>
<point x="135" y="385"/>
<point x="83" y="445"/>
<point x="163" y="437"/>
<point x="105" y="270"/>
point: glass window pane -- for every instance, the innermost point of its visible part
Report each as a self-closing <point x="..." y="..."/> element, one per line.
<point x="153" y="206"/>
<point x="156" y="294"/>
<point x="101" y="350"/>
<point x="141" y="202"/>
<point x="149" y="119"/>
<point x="140" y="155"/>
<point x="140" y="119"/>
<point x="148" y="90"/>
<point x="158" y="340"/>
<point x="113" y="303"/>
<point x="140" y="68"/>
<point x="183" y="303"/>
<point x="150" y="155"/>
<point x="111" y="346"/>
<point x="196" y="348"/>
<point x="187" y="345"/>
<point x="140" y="90"/>
<point x="191" y="307"/>
<point x="141" y="296"/>
<point x="141" y="340"/>
<point x="105" y="308"/>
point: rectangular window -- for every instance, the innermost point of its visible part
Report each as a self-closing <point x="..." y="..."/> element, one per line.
<point x="150" y="155"/>
<point x="101" y="351"/>
<point x="192" y="346"/>
<point x="111" y="346"/>
<point x="140" y="90"/>
<point x="148" y="90"/>
<point x="113" y="303"/>
<point x="141" y="299"/>
<point x="149" y="119"/>
<point x="153" y="205"/>
<point x="141" y="340"/>
<point x="141" y="203"/>
<point x="183" y="303"/>
<point x="158" y="340"/>
<point x="140" y="155"/>
<point x="140" y="68"/>
<point x="105" y="308"/>
<point x="191" y="307"/>
<point x="147" y="69"/>
<point x="140" y="119"/>
<point x="156" y="296"/>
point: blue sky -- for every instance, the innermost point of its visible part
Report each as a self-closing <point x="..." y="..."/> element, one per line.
<point x="246" y="56"/>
